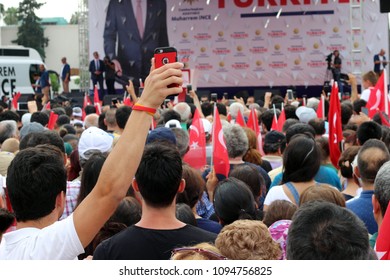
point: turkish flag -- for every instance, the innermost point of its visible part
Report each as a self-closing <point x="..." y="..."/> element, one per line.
<point x="86" y="102"/>
<point x="240" y="119"/>
<point x="196" y="156"/>
<point x="220" y="155"/>
<point x="382" y="246"/>
<point x="15" y="100"/>
<point x="378" y="100"/>
<point x="52" y="120"/>
<point x="281" y="120"/>
<point x="128" y="102"/>
<point x="321" y="107"/>
<point x="335" y="128"/>
<point x="47" y="106"/>
<point x="253" y="123"/>
<point x="275" y="125"/>
<point x="96" y="101"/>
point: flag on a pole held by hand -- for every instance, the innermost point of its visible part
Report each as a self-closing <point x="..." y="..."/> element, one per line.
<point x="382" y="245"/>
<point x="281" y="119"/>
<point x="52" y="120"/>
<point x="253" y="123"/>
<point x="378" y="100"/>
<point x="96" y="101"/>
<point x="335" y="128"/>
<point x="220" y="156"/>
<point x="15" y="100"/>
<point x="86" y="103"/>
<point x="275" y="125"/>
<point x="240" y="119"/>
<point x="196" y="156"/>
<point x="321" y="108"/>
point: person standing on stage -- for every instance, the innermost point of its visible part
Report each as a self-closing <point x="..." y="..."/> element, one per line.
<point x="380" y="62"/>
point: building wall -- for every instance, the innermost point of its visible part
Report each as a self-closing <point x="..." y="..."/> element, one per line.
<point x="63" y="41"/>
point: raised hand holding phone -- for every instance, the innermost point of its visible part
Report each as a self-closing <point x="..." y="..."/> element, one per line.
<point x="164" y="56"/>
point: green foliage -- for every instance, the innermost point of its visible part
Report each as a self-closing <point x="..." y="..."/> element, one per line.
<point x="75" y="18"/>
<point x="30" y="32"/>
<point x="54" y="81"/>
<point x="11" y="16"/>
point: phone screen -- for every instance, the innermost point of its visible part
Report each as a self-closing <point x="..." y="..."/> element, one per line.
<point x="290" y="95"/>
<point x="214" y="97"/>
<point x="189" y="88"/>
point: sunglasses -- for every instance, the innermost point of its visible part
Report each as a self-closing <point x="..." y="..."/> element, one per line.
<point x="210" y="254"/>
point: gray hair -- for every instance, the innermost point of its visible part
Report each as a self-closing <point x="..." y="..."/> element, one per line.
<point x="184" y="110"/>
<point x="382" y="187"/>
<point x="91" y="120"/>
<point x="182" y="140"/>
<point x="8" y="129"/>
<point x="236" y="140"/>
<point x="234" y="107"/>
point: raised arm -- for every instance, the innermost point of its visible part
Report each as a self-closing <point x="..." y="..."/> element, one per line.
<point x="122" y="163"/>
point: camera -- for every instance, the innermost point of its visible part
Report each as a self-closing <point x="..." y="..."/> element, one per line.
<point x="165" y="60"/>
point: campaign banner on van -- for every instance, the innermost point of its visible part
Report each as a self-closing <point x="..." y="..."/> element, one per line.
<point x="241" y="43"/>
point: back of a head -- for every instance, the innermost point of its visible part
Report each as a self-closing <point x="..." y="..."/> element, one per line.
<point x="122" y="114"/>
<point x="182" y="140"/>
<point x="110" y="117"/>
<point x="41" y="138"/>
<point x="274" y="142"/>
<point x="194" y="186"/>
<point x="267" y="117"/>
<point x="35" y="177"/>
<point x="222" y="110"/>
<point x="322" y="192"/>
<point x="184" y="111"/>
<point x="346" y="112"/>
<point x="9" y="116"/>
<point x="252" y="155"/>
<point x="184" y="214"/>
<point x="40" y="117"/>
<point x="368" y="130"/>
<point x="250" y="176"/>
<point x="91" y="120"/>
<point x="247" y="240"/>
<point x="89" y="109"/>
<point x="201" y="251"/>
<point x="159" y="188"/>
<point x="279" y="210"/>
<point x="372" y="155"/>
<point x="128" y="212"/>
<point x="301" y="160"/>
<point x="233" y="200"/>
<point x="371" y="77"/>
<point x="345" y="161"/>
<point x="234" y="108"/>
<point x="318" y="125"/>
<point x="299" y="128"/>
<point x="321" y="230"/>
<point x="382" y="187"/>
<point x="323" y="144"/>
<point x="8" y="129"/>
<point x="358" y="105"/>
<point x="236" y="140"/>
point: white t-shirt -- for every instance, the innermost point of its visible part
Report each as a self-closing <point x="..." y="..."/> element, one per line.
<point x="276" y="193"/>
<point x="58" y="241"/>
<point x="366" y="94"/>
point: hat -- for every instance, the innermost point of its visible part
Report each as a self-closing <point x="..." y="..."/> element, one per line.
<point x="161" y="133"/>
<point x="206" y="125"/>
<point x="94" y="138"/>
<point x="305" y="114"/>
<point x="173" y="123"/>
<point x="29" y="128"/>
<point x="274" y="137"/>
<point x="77" y="112"/>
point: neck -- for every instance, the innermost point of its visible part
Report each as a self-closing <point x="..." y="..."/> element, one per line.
<point x="367" y="186"/>
<point x="39" y="223"/>
<point x="236" y="160"/>
<point x="159" y="218"/>
<point x="351" y="188"/>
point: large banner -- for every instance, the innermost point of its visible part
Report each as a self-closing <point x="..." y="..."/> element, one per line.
<point x="233" y="43"/>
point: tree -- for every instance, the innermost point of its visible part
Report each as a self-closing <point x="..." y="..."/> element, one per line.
<point x="75" y="18"/>
<point x="30" y="32"/>
<point x="11" y="16"/>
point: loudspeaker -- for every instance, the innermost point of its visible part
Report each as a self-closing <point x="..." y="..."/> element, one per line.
<point x="384" y="6"/>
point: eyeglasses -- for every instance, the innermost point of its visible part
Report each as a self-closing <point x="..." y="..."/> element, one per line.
<point x="210" y="254"/>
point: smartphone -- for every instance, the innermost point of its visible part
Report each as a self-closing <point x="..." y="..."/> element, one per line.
<point x="214" y="97"/>
<point x="114" y="101"/>
<point x="189" y="88"/>
<point x="164" y="56"/>
<point x="226" y="95"/>
<point x="290" y="95"/>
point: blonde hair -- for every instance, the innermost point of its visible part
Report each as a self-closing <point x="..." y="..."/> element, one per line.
<point x="206" y="251"/>
<point x="247" y="240"/>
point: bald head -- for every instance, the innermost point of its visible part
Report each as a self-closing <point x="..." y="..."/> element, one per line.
<point x="91" y="120"/>
<point x="371" y="157"/>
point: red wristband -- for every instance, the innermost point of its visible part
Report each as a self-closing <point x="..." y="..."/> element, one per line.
<point x="139" y="107"/>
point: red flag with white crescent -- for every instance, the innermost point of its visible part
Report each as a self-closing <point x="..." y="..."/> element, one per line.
<point x="96" y="101"/>
<point x="281" y="120"/>
<point x="220" y="155"/>
<point x="335" y="128"/>
<point x="86" y="102"/>
<point x="52" y="120"/>
<point x="196" y="156"/>
<point x="378" y="99"/>
<point x="382" y="245"/>
<point x="15" y="100"/>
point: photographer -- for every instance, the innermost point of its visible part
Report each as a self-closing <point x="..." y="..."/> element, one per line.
<point x="336" y="69"/>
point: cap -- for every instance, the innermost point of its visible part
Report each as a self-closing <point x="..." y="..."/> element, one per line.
<point x="206" y="125"/>
<point x="26" y="118"/>
<point x="77" y="112"/>
<point x="305" y="114"/>
<point x="161" y="133"/>
<point x="172" y="123"/>
<point x="94" y="138"/>
<point x="274" y="137"/>
<point x="29" y="128"/>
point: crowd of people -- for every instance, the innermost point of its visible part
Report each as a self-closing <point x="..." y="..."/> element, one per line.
<point x="118" y="186"/>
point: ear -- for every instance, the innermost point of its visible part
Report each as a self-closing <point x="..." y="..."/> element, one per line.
<point x="135" y="185"/>
<point x="376" y="207"/>
<point x="357" y="172"/>
<point x="182" y="186"/>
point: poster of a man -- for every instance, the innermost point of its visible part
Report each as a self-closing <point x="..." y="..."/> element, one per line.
<point x="133" y="30"/>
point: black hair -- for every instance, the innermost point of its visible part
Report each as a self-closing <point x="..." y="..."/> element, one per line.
<point x="40" y="117"/>
<point x="40" y="138"/>
<point x="368" y="130"/>
<point x="185" y="215"/>
<point x="267" y="118"/>
<point x="299" y="128"/>
<point x="122" y="114"/>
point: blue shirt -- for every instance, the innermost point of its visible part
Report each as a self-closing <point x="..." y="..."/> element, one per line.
<point x="44" y="80"/>
<point x="325" y="175"/>
<point x="362" y="207"/>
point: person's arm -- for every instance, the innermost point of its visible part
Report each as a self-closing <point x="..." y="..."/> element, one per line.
<point x="67" y="76"/>
<point x="354" y="90"/>
<point x="195" y="98"/>
<point x="122" y="163"/>
<point x="131" y="91"/>
<point x="376" y="59"/>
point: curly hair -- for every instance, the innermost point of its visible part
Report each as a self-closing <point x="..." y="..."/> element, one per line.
<point x="247" y="240"/>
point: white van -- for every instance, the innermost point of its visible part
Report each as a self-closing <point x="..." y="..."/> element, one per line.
<point x="18" y="65"/>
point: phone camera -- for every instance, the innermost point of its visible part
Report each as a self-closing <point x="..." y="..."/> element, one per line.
<point x="165" y="60"/>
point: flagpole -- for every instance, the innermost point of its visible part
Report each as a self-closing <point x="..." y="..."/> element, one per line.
<point x="213" y="139"/>
<point x="386" y="92"/>
<point x="275" y="116"/>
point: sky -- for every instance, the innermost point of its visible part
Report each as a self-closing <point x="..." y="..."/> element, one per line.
<point x="52" y="8"/>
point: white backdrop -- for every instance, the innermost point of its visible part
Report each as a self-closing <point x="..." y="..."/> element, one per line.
<point x="242" y="43"/>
